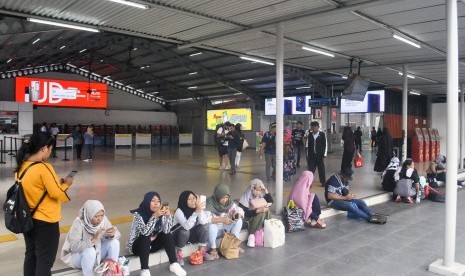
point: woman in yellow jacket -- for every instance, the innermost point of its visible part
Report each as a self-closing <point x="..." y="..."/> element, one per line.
<point x="42" y="240"/>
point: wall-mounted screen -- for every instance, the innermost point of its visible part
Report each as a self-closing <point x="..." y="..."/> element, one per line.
<point x="372" y="103"/>
<point x="234" y="116"/>
<point x="63" y="93"/>
<point x="295" y="105"/>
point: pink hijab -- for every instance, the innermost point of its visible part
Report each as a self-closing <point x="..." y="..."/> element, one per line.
<point x="301" y="194"/>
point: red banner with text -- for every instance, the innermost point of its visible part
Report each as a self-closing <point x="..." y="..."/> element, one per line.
<point x="62" y="93"/>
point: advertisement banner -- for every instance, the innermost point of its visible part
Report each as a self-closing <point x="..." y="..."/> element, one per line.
<point x="63" y="93"/>
<point x="234" y="116"/>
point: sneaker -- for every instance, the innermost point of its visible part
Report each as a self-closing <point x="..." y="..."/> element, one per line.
<point x="251" y="240"/>
<point x="145" y="272"/>
<point x="177" y="269"/>
<point x="86" y="160"/>
<point x="206" y="256"/>
<point x="179" y="258"/>
<point x="231" y="172"/>
<point x="227" y="167"/>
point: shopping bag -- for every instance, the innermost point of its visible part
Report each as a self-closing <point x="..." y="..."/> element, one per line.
<point x="274" y="233"/>
<point x="358" y="161"/>
<point x="229" y="246"/>
<point x="245" y="144"/>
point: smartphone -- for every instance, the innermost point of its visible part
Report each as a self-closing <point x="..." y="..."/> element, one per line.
<point x="202" y="199"/>
<point x="165" y="205"/>
<point x="71" y="174"/>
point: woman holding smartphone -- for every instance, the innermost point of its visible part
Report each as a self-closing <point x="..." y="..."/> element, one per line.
<point x="193" y="222"/>
<point x="91" y="239"/>
<point x="150" y="232"/>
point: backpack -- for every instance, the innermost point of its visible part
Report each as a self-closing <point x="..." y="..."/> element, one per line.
<point x="18" y="217"/>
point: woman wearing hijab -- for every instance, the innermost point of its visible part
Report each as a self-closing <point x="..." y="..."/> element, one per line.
<point x="150" y="232"/>
<point x="385" y="151"/>
<point x="349" y="150"/>
<point x="226" y="215"/>
<point x="257" y="216"/>
<point x="408" y="184"/>
<point x="307" y="200"/>
<point x="391" y="175"/>
<point x="289" y="164"/>
<point x="91" y="239"/>
<point x="193" y="221"/>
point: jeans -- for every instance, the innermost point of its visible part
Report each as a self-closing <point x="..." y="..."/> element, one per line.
<point x="86" y="258"/>
<point x="89" y="150"/>
<point x="232" y="157"/>
<point x="41" y="248"/>
<point x="197" y="234"/>
<point x="215" y="232"/>
<point x="356" y="206"/>
<point x="316" y="208"/>
<point x="142" y="247"/>
<point x="270" y="161"/>
<point x="298" y="148"/>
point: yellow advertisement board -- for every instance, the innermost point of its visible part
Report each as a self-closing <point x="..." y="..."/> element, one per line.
<point x="234" y="116"/>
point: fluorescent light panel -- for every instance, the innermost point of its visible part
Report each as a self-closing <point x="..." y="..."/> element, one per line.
<point x="192" y="73"/>
<point x="35" y="41"/>
<point x="8" y="61"/>
<point x="246" y="80"/>
<point x="317" y="51"/>
<point x="408" y="76"/>
<point x="257" y="60"/>
<point x="403" y="39"/>
<point x="303" y="87"/>
<point x="195" y="54"/>
<point x="63" y="25"/>
<point x="192" y="87"/>
<point x="129" y="3"/>
<point x="414" y="93"/>
<point x="83" y="50"/>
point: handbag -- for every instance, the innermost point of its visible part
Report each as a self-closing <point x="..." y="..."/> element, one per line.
<point x="358" y="161"/>
<point x="229" y="246"/>
<point x="108" y="267"/>
<point x="293" y="217"/>
<point x="245" y="144"/>
<point x="274" y="233"/>
<point x="259" y="237"/>
<point x="257" y="203"/>
<point x="196" y="258"/>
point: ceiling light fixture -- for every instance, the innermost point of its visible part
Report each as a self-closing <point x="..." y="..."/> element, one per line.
<point x="62" y="47"/>
<point x="83" y="50"/>
<point x="408" y="76"/>
<point x="35" y="41"/>
<point x="317" y="51"/>
<point x="8" y="61"/>
<point x="192" y="87"/>
<point x="195" y="54"/>
<point x="258" y="60"/>
<point x="414" y="93"/>
<point x="303" y="87"/>
<point x="192" y="73"/>
<point x="129" y="3"/>
<point x="147" y="82"/>
<point x="246" y="80"/>
<point x="344" y="77"/>
<point x="408" y="41"/>
<point x="53" y="23"/>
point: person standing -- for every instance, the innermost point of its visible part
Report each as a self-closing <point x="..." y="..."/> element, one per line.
<point x="349" y="150"/>
<point x="54" y="130"/>
<point x="44" y="127"/>
<point x="373" y="138"/>
<point x="358" y="139"/>
<point x="317" y="151"/>
<point x="42" y="241"/>
<point x="385" y="151"/>
<point x="233" y="140"/>
<point x="221" y="133"/>
<point x="298" y="140"/>
<point x="78" y="141"/>
<point x="269" y="149"/>
<point x="240" y="145"/>
<point x="89" y="142"/>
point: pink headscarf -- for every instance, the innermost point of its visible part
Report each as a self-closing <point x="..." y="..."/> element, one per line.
<point x="287" y="135"/>
<point x="301" y="194"/>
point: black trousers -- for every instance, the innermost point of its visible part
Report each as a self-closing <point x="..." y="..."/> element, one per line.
<point x="41" y="248"/>
<point x="358" y="145"/>
<point x="346" y="163"/>
<point x="314" y="162"/>
<point x="299" y="148"/>
<point x="78" y="150"/>
<point x="142" y="247"/>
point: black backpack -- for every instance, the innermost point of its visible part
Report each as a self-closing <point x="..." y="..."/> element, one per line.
<point x="18" y="217"/>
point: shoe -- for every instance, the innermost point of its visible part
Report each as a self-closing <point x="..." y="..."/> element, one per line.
<point x="177" y="269"/>
<point x="231" y="172"/>
<point x="179" y="258"/>
<point x="214" y="254"/>
<point x="145" y="272"/>
<point x="398" y="199"/>
<point x="86" y="160"/>
<point x="318" y="224"/>
<point x="251" y="240"/>
<point x="409" y="200"/>
<point x="227" y="167"/>
<point x="206" y="256"/>
<point x="221" y="168"/>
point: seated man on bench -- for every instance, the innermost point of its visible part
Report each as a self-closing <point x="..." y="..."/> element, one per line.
<point x="338" y="197"/>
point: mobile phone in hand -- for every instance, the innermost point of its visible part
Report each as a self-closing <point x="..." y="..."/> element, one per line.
<point x="71" y="174"/>
<point x="165" y="205"/>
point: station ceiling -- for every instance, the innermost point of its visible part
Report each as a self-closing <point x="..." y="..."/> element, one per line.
<point x="177" y="50"/>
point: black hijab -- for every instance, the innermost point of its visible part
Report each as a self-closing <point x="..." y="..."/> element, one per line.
<point x="182" y="204"/>
<point x="144" y="207"/>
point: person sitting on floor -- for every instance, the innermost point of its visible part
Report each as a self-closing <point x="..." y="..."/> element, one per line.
<point x="226" y="215"/>
<point x="150" y="232"/>
<point x="338" y="197"/>
<point x="308" y="201"/>
<point x="436" y="170"/>
<point x="255" y="194"/>
<point x="91" y="239"/>
<point x="408" y="185"/>
<point x="193" y="222"/>
<point x="390" y="176"/>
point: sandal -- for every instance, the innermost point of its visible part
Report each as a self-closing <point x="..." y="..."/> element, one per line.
<point x="214" y="254"/>
<point x="319" y="224"/>
<point x="409" y="200"/>
<point x="398" y="199"/>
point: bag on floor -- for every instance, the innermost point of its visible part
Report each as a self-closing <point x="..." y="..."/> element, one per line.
<point x="436" y="196"/>
<point x="274" y="233"/>
<point x="229" y="246"/>
<point x="260" y="237"/>
<point x="124" y="262"/>
<point x="196" y="258"/>
<point x="293" y="217"/>
<point x="358" y="160"/>
<point x="17" y="215"/>
<point x="108" y="267"/>
<point x="378" y="219"/>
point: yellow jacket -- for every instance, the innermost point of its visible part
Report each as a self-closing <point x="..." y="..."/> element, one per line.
<point x="35" y="182"/>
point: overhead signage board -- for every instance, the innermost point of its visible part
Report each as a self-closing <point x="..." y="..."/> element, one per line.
<point x="234" y="116"/>
<point x="61" y="93"/>
<point x="372" y="103"/>
<point x="296" y="105"/>
<point x="323" y="102"/>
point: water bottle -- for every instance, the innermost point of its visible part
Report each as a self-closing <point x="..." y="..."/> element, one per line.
<point x="418" y="196"/>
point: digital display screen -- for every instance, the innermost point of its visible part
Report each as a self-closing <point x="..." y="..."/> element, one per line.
<point x="372" y="103"/>
<point x="234" y="116"/>
<point x="295" y="105"/>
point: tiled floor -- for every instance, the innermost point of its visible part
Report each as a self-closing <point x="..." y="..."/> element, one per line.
<point x="410" y="240"/>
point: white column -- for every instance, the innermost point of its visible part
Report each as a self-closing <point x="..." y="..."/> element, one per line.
<point x="447" y="266"/>
<point x="462" y="125"/>
<point x="404" y="112"/>
<point x="279" y="117"/>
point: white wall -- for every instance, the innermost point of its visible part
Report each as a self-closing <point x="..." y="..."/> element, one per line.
<point x="24" y="115"/>
<point x="439" y="121"/>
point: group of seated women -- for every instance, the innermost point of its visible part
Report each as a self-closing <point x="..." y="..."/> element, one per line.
<point x="92" y="238"/>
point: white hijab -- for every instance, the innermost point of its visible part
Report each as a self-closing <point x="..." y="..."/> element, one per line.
<point x="248" y="196"/>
